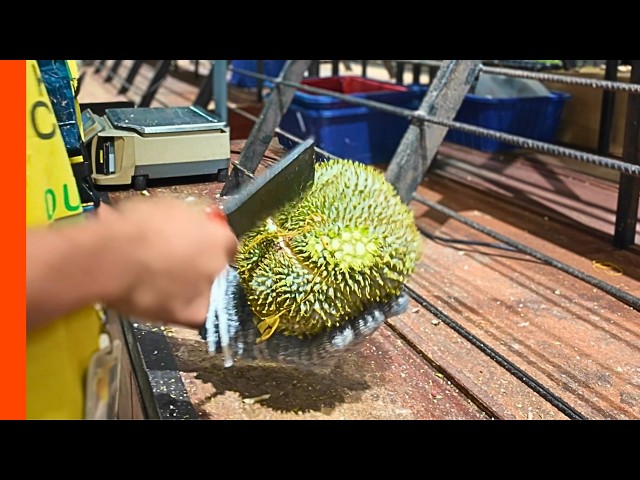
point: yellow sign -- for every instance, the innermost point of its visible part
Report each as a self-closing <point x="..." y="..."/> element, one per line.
<point x="58" y="354"/>
<point x="51" y="186"/>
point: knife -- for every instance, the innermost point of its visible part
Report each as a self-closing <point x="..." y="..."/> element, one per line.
<point x="282" y="183"/>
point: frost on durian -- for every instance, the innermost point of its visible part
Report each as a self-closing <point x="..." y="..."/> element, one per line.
<point x="348" y="243"/>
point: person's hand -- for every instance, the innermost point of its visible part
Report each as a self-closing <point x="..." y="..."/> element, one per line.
<point x="172" y="252"/>
<point x="231" y="334"/>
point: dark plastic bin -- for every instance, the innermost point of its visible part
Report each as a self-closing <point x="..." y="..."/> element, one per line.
<point x="536" y="118"/>
<point x="347" y="130"/>
<point x="272" y="68"/>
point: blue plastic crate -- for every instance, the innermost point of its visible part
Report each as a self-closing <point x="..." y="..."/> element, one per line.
<point x="346" y="130"/>
<point x="536" y="118"/>
<point x="272" y="68"/>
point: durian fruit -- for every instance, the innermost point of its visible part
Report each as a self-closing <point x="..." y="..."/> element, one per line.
<point x="347" y="244"/>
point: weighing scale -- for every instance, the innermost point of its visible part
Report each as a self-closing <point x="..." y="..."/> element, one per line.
<point x="131" y="145"/>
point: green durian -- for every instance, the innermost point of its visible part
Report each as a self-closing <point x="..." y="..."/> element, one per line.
<point x="348" y="243"/>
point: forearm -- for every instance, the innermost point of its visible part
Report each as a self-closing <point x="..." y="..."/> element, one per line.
<point x="150" y="259"/>
<point x="66" y="270"/>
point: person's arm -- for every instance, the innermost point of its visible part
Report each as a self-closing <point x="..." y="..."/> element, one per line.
<point x="63" y="270"/>
<point x="155" y="259"/>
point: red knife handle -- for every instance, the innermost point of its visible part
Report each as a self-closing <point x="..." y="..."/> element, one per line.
<point x="217" y="214"/>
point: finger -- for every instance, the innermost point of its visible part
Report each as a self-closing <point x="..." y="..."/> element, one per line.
<point x="228" y="239"/>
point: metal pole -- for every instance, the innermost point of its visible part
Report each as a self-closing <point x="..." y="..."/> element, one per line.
<point x="629" y="185"/>
<point x="131" y="76"/>
<point x="433" y="71"/>
<point x="417" y="69"/>
<point x="162" y="68"/>
<point x="606" y="113"/>
<point x="113" y="72"/>
<point x="99" y="66"/>
<point x="399" y="73"/>
<point x="205" y="94"/>
<point x="335" y="68"/>
<point x="259" y="81"/>
<point x="220" y="89"/>
<point x="314" y="68"/>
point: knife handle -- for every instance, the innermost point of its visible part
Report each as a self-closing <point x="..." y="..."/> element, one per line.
<point x="216" y="214"/>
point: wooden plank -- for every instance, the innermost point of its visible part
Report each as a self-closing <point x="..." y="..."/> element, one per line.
<point x="576" y="340"/>
<point x="129" y="405"/>
<point x="539" y="183"/>
<point x="568" y="209"/>
<point x="381" y="380"/>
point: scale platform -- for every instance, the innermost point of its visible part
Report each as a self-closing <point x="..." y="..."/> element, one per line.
<point x="132" y="145"/>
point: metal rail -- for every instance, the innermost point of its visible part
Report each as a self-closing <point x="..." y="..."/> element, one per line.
<point x="502" y="361"/>
<point x="629" y="183"/>
<point x="516" y="140"/>
<point x="253" y="118"/>
<point x="615" y="292"/>
<point x="544" y="77"/>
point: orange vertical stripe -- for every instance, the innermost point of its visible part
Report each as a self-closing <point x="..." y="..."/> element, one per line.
<point x="13" y="246"/>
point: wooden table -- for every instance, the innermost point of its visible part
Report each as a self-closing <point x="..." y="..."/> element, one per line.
<point x="578" y="342"/>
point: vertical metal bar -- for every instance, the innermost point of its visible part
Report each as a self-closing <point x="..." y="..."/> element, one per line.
<point x="100" y="65"/>
<point x="80" y="81"/>
<point x="606" y="112"/>
<point x="113" y="72"/>
<point x="433" y="71"/>
<point x="364" y="67"/>
<point x="400" y="73"/>
<point x="220" y="89"/>
<point x="417" y="70"/>
<point x="131" y="76"/>
<point x="162" y="68"/>
<point x="420" y="143"/>
<point x="196" y="64"/>
<point x="262" y="133"/>
<point x="629" y="185"/>
<point x="314" y="68"/>
<point x="259" y="81"/>
<point x="335" y="68"/>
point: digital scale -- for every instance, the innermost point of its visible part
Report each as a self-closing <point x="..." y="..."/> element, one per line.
<point x="131" y="145"/>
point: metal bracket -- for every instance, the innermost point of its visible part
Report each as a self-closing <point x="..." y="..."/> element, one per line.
<point x="417" y="150"/>
<point x="262" y="133"/>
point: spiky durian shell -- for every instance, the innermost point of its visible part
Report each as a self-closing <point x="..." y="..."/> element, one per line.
<point x="348" y="243"/>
